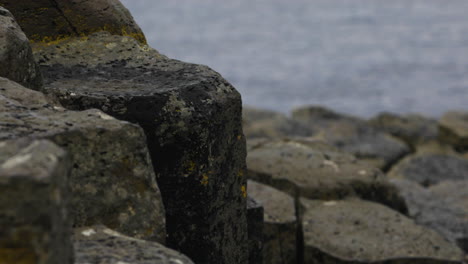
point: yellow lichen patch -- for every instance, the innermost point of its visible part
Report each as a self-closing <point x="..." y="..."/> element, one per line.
<point x="204" y="180"/>
<point x="244" y="191"/>
<point x="17" y="256"/>
<point x="149" y="231"/>
<point x="240" y="173"/>
<point x="239" y="137"/>
<point x="190" y="166"/>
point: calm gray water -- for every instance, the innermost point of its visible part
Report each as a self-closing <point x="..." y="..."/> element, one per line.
<point x="356" y="56"/>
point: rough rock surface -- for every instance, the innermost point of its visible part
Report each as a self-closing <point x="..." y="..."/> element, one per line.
<point x="50" y="20"/>
<point x="192" y="119"/>
<point x="112" y="180"/>
<point x="315" y="171"/>
<point x="453" y="130"/>
<point x="414" y="129"/>
<point x="101" y="245"/>
<point x="255" y="232"/>
<point x="430" y="168"/>
<point x="269" y="124"/>
<point x="34" y="222"/>
<point x="280" y="224"/>
<point x="352" y="135"/>
<point x="356" y="231"/>
<point x="16" y="58"/>
<point x="442" y="207"/>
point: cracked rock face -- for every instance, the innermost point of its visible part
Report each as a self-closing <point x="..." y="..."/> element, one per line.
<point x="99" y="244"/>
<point x="112" y="180"/>
<point x="44" y="21"/>
<point x="34" y="223"/>
<point x="16" y="58"/>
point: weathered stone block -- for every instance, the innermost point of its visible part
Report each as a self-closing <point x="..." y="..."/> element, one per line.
<point x="453" y="130"/>
<point x="255" y="230"/>
<point x="35" y="226"/>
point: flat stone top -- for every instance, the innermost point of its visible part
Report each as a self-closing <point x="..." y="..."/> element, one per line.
<point x="457" y="122"/>
<point x="360" y="230"/>
<point x="278" y="206"/>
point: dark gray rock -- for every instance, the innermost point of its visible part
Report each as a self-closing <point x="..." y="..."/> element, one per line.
<point x="112" y="180"/>
<point x="101" y="245"/>
<point x="16" y="58"/>
<point x="47" y="22"/>
<point x="352" y="135"/>
<point x="453" y="130"/>
<point x="281" y="227"/>
<point x="192" y="119"/>
<point x="255" y="230"/>
<point x="34" y="223"/>
<point x="356" y="231"/>
<point x="317" y="171"/>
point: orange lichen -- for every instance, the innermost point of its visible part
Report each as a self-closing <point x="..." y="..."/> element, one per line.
<point x="244" y="191"/>
<point x="204" y="180"/>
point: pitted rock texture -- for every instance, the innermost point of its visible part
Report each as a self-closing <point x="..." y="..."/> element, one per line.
<point x="280" y="224"/>
<point x="16" y="58"/>
<point x="192" y="119"/>
<point x="352" y="135"/>
<point x="255" y="230"/>
<point x="34" y="222"/>
<point x="315" y="171"/>
<point x="112" y="180"/>
<point x="46" y="21"/>
<point x="101" y="245"/>
<point x="356" y="231"/>
<point x="453" y="130"/>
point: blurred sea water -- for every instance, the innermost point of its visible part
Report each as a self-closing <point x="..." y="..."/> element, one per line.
<point x="356" y="56"/>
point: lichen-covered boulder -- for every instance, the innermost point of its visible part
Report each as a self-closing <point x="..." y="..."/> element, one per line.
<point x="255" y="230"/>
<point x="280" y="227"/>
<point x="112" y="179"/>
<point x="453" y="130"/>
<point x="356" y="231"/>
<point x="46" y="21"/>
<point x="16" y="58"/>
<point x="192" y="119"/>
<point x="315" y="171"/>
<point x="34" y="223"/>
<point x="352" y="135"/>
<point x="101" y="245"/>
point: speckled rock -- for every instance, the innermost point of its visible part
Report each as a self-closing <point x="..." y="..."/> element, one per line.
<point x="453" y="130"/>
<point x="269" y="124"/>
<point x="34" y="223"/>
<point x="352" y="135"/>
<point x="281" y="227"/>
<point x="442" y="207"/>
<point x="16" y="58"/>
<point x="311" y="170"/>
<point x="414" y="129"/>
<point x="430" y="168"/>
<point x="47" y="21"/>
<point x="255" y="232"/>
<point x="356" y="231"/>
<point x="101" y="245"/>
<point x="192" y="119"/>
<point x="112" y="180"/>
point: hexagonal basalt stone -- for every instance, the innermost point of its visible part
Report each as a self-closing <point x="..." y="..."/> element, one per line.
<point x="356" y="231"/>
<point x="34" y="223"/>
<point x="101" y="245"/>
<point x="112" y="180"/>
<point x="192" y="119"/>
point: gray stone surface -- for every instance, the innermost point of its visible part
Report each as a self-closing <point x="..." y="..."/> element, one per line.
<point x="16" y="58"/>
<point x="356" y="231"/>
<point x="453" y="130"/>
<point x="315" y="171"/>
<point x="112" y="180"/>
<point x="192" y="119"/>
<point x="280" y="223"/>
<point x="255" y="230"/>
<point x="101" y="245"/>
<point x="352" y="135"/>
<point x="48" y="21"/>
<point x="35" y="226"/>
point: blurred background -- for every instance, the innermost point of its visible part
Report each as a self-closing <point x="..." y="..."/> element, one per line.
<point x="356" y="56"/>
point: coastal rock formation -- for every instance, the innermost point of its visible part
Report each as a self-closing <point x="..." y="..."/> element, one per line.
<point x="301" y="169"/>
<point x="17" y="60"/>
<point x="34" y="224"/>
<point x="356" y="231"/>
<point x="280" y="229"/>
<point x="352" y="135"/>
<point x="255" y="231"/>
<point x="453" y="130"/>
<point x="98" y="244"/>
<point x="50" y="20"/>
<point x="112" y="180"/>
